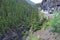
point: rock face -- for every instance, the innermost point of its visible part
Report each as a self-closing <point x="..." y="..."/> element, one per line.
<point x="50" y="5"/>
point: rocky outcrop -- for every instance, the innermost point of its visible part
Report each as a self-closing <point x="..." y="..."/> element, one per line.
<point x="50" y="5"/>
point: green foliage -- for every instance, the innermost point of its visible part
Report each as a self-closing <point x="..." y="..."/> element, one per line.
<point x="34" y="37"/>
<point x="17" y="13"/>
<point x="46" y="24"/>
<point x="43" y="21"/>
<point x="55" y="22"/>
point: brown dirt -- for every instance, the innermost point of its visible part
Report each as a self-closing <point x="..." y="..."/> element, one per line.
<point x="46" y="34"/>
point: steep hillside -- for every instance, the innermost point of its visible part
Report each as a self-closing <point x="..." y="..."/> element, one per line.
<point x="16" y="18"/>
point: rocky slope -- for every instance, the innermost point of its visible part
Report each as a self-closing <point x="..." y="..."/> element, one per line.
<point x="50" y="5"/>
<point x="45" y="34"/>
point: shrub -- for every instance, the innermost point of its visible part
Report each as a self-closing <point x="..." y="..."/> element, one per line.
<point x="55" y="22"/>
<point x="34" y="37"/>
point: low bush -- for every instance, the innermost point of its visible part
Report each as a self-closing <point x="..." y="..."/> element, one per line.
<point x="55" y="22"/>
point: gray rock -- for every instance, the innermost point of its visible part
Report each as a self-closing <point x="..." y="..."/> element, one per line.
<point x="49" y="4"/>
